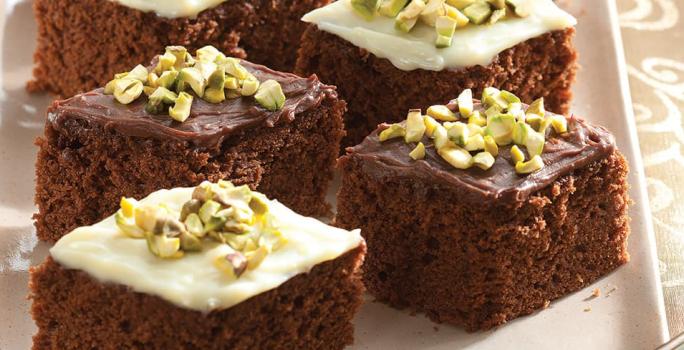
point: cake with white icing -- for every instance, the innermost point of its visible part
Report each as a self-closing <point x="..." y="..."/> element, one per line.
<point x="388" y="56"/>
<point x="210" y="267"/>
<point x="82" y="43"/>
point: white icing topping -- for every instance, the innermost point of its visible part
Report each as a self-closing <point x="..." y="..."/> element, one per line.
<point x="193" y="281"/>
<point x="171" y="8"/>
<point x="472" y="45"/>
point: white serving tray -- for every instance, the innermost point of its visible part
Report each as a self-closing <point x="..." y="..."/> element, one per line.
<point x="632" y="317"/>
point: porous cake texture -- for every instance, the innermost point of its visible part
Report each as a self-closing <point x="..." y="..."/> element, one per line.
<point x="377" y="91"/>
<point x="83" y="43"/>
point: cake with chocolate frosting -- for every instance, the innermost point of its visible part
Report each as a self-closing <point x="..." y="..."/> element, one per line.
<point x="216" y="266"/>
<point x="83" y="43"/>
<point x="387" y="56"/>
<point x="480" y="212"/>
<point x="183" y="120"/>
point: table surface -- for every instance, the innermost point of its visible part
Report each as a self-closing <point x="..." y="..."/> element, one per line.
<point x="652" y="32"/>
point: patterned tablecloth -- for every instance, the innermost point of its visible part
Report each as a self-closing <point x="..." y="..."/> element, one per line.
<point x="653" y="36"/>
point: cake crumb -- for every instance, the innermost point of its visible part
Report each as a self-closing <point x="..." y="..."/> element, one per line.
<point x="610" y="291"/>
<point x="596" y="293"/>
<point x="547" y="303"/>
<point x="587" y="309"/>
<point x="435" y="328"/>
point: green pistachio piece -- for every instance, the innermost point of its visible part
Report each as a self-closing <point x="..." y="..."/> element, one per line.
<point x="441" y="112"/>
<point x="520" y="7"/>
<point x="430" y="125"/>
<point x="208" y="210"/>
<point x="138" y="73"/>
<point x="166" y="62"/>
<point x="418" y="152"/>
<point x="483" y="160"/>
<point x="128" y="206"/>
<point x="237" y="242"/>
<point x="233" y="265"/>
<point x="474" y="129"/>
<point x="180" y="53"/>
<point x="440" y="137"/>
<point x="258" y="205"/>
<point x="190" y="207"/>
<point x="190" y="242"/>
<point x="208" y="54"/>
<point x="465" y="102"/>
<point x="457" y="15"/>
<point x="270" y="95"/>
<point x="203" y="192"/>
<point x="493" y="111"/>
<point x="490" y="146"/>
<point x="249" y="87"/>
<point x="497" y="15"/>
<point x="235" y="69"/>
<point x="163" y="246"/>
<point x="501" y="128"/>
<point x="478" y="12"/>
<point x="256" y="257"/>
<point x="458" y="133"/>
<point x="193" y="224"/>
<point x="534" y="142"/>
<point x="408" y="17"/>
<point x="146" y="217"/>
<point x="231" y="83"/>
<point x="207" y="69"/>
<point x="365" y="8"/>
<point x="181" y="109"/>
<point x="461" y="4"/>
<point x="215" y="223"/>
<point x="530" y="166"/>
<point x="493" y="97"/>
<point x="127" y="90"/>
<point x="215" y="92"/>
<point x="445" y="27"/>
<point x="509" y="97"/>
<point x="193" y="77"/>
<point x="128" y="227"/>
<point x="148" y="90"/>
<point x="391" y="8"/>
<point x="517" y="154"/>
<point x="167" y="79"/>
<point x="536" y="108"/>
<point x="151" y="80"/>
<point x="474" y="143"/>
<point x="476" y="118"/>
<point x="109" y="87"/>
<point x="534" y="120"/>
<point x="433" y="10"/>
<point x="415" y="127"/>
<point x="156" y="101"/>
<point x="520" y="133"/>
<point x="559" y="123"/>
<point x="456" y="156"/>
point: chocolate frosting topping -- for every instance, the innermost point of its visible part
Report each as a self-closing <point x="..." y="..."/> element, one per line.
<point x="581" y="145"/>
<point x="208" y="123"/>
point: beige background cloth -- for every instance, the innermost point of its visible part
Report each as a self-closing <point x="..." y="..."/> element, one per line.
<point x="653" y="36"/>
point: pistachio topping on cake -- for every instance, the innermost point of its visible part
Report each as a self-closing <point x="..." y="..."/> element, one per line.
<point x="178" y="78"/>
<point x="222" y="213"/>
<point x="464" y="138"/>
<point x="446" y="16"/>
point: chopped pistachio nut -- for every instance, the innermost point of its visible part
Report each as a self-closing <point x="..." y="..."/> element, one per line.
<point x="497" y="4"/>
<point x="490" y="146"/>
<point x="458" y="133"/>
<point x="474" y="143"/>
<point x="208" y="54"/>
<point x="432" y="11"/>
<point x="536" y="108"/>
<point x="270" y="95"/>
<point x="249" y="87"/>
<point x="500" y="128"/>
<point x="461" y="4"/>
<point x="232" y="265"/>
<point x="181" y="108"/>
<point x="408" y="17"/>
<point x="497" y="15"/>
<point x="393" y="131"/>
<point x="534" y="142"/>
<point x="167" y="79"/>
<point x="391" y="8"/>
<point x="478" y="12"/>
<point x="157" y="100"/>
<point x="476" y="118"/>
<point x="453" y="12"/>
<point x="193" y="78"/>
<point x="440" y="137"/>
<point x="530" y="166"/>
<point x="164" y="246"/>
<point x="365" y="8"/>
<point x="445" y="26"/>
<point x="430" y="124"/>
<point x="517" y="154"/>
<point x="127" y="90"/>
<point x="415" y="127"/>
<point x="520" y="133"/>
<point x="215" y="92"/>
<point x="441" y="112"/>
<point x="418" y="152"/>
<point x="520" y="7"/>
<point x="483" y="160"/>
<point x="139" y="73"/>
<point x="456" y="156"/>
<point x="465" y="102"/>
<point x="493" y="97"/>
<point x="180" y="53"/>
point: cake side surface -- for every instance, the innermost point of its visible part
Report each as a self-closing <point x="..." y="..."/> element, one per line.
<point x="82" y="44"/>
<point x="544" y="66"/>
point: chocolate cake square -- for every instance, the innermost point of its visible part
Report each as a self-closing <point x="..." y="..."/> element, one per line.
<point x="83" y="43"/>
<point x="477" y="248"/>
<point x="96" y="150"/>
<point x="380" y="79"/>
<point x="102" y="288"/>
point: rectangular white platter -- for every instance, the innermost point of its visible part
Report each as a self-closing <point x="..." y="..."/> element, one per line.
<point x="632" y="317"/>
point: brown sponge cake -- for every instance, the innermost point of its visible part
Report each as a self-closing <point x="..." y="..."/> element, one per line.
<point x="377" y="91"/>
<point x="96" y="150"/>
<point x="83" y="43"/>
<point x="478" y="248"/>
